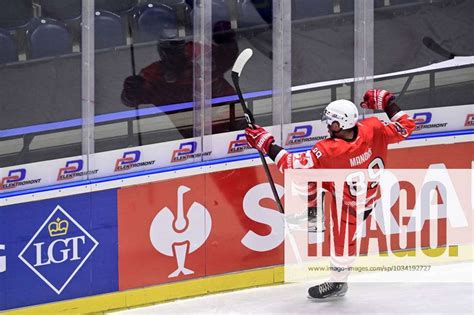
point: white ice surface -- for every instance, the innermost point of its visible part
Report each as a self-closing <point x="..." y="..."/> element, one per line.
<point x="362" y="298"/>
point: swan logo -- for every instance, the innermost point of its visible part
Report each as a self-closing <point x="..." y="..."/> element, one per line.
<point x="181" y="235"/>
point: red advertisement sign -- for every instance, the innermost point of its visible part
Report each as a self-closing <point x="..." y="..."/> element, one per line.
<point x="197" y="226"/>
<point x="221" y="222"/>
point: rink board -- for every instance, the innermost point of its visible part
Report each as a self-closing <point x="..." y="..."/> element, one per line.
<point x="118" y="244"/>
<point x="186" y="152"/>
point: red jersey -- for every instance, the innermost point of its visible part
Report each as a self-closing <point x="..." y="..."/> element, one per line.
<point x="367" y="150"/>
<point x="163" y="87"/>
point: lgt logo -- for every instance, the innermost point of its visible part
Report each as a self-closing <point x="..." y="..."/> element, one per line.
<point x="58" y="250"/>
<point x="3" y="259"/>
<point x="181" y="235"/>
<point x="239" y="144"/>
<point x="469" y="120"/>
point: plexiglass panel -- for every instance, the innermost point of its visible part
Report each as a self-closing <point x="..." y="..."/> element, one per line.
<point x="322" y="51"/>
<point x="144" y="68"/>
<point x="40" y="89"/>
<point x="237" y="25"/>
<point x="412" y="34"/>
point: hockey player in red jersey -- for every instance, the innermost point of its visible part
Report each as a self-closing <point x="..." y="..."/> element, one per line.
<point x="352" y="144"/>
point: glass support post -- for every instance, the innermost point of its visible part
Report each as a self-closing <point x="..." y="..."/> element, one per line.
<point x="281" y="98"/>
<point x="202" y="86"/>
<point x="87" y="85"/>
<point x="363" y="48"/>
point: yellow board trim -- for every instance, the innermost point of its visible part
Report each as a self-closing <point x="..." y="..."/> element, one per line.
<point x="159" y="293"/>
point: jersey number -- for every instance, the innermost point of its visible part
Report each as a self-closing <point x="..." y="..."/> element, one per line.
<point x="357" y="182"/>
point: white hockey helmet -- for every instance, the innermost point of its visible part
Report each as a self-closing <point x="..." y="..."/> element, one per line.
<point x="342" y="111"/>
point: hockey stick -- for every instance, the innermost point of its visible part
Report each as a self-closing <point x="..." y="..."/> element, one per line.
<point x="236" y="71"/>
<point x="405" y="87"/>
<point x="434" y="46"/>
<point x="134" y="73"/>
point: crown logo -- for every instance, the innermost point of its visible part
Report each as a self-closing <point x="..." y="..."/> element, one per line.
<point x="58" y="227"/>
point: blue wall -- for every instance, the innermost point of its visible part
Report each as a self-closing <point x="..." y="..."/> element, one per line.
<point x="70" y="242"/>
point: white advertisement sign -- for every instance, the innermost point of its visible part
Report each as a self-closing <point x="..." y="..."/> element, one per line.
<point x="192" y="150"/>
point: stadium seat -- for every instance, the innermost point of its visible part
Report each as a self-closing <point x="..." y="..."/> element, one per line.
<point x="152" y="20"/>
<point x="115" y="6"/>
<point x="47" y="37"/>
<point x="8" y="49"/>
<point x="68" y="12"/>
<point x="108" y="30"/>
<point x="15" y="13"/>
<point x="62" y="10"/>
<point x="310" y="8"/>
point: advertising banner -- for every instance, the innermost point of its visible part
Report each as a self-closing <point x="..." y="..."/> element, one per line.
<point x="188" y="151"/>
<point x="58" y="249"/>
<point x="221" y="222"/>
<point x="198" y="226"/>
<point x="165" y="231"/>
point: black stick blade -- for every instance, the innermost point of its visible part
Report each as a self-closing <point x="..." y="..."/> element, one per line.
<point x="434" y="46"/>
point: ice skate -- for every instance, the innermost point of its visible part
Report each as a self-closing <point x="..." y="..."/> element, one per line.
<point x="328" y="290"/>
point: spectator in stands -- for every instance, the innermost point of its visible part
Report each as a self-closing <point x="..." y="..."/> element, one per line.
<point x="170" y="80"/>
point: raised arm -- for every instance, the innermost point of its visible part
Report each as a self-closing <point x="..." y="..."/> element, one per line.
<point x="401" y="125"/>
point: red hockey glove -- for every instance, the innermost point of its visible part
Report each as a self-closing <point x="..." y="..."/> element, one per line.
<point x="377" y="99"/>
<point x="259" y="139"/>
<point x="133" y="93"/>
